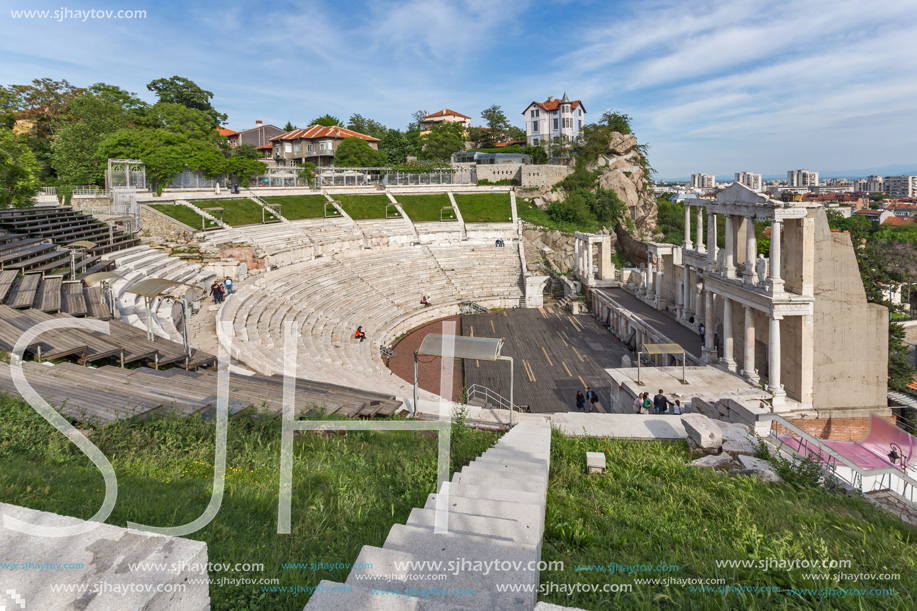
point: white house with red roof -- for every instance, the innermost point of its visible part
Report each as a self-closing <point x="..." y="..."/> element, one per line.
<point x="552" y="119"/>
<point x="444" y="116"/>
<point x="315" y="144"/>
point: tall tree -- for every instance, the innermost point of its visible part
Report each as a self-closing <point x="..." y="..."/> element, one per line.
<point x="126" y="100"/>
<point x="365" y="125"/>
<point x="289" y="127"/>
<point x="496" y="123"/>
<point x="18" y="172"/>
<point x="92" y="118"/>
<point x="395" y="147"/>
<point x="180" y="119"/>
<point x="179" y="90"/>
<point x="326" y="120"/>
<point x="442" y="140"/>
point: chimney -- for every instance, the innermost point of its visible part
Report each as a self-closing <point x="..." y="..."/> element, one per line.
<point x="550" y="98"/>
<point x="258" y="123"/>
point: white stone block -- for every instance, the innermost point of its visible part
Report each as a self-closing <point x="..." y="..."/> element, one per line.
<point x="595" y="463"/>
<point x="702" y="431"/>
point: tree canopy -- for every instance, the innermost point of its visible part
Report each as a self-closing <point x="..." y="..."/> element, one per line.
<point x="442" y="140"/>
<point x="183" y="91"/>
<point x="497" y="125"/>
<point x="19" y="172"/>
<point x="92" y="118"/>
<point x="326" y="120"/>
<point x="356" y="152"/>
<point x="365" y="125"/>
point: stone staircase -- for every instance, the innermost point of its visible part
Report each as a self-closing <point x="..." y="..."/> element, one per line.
<point x="496" y="510"/>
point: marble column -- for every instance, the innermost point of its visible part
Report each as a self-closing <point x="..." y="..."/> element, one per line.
<point x="700" y="229"/>
<point x="730" y="247"/>
<point x="710" y="355"/>
<point x="688" y="244"/>
<point x="711" y="240"/>
<point x="728" y="354"/>
<point x="751" y="252"/>
<point x="774" y="360"/>
<point x="774" y="281"/>
<point x="748" y="363"/>
<point x="686" y="294"/>
<point x="650" y="280"/>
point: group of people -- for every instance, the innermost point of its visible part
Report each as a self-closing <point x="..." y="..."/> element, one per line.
<point x="499" y="243"/>
<point x="702" y="331"/>
<point x="425" y="301"/>
<point x="590" y="397"/>
<point x="219" y="290"/>
<point x="659" y="404"/>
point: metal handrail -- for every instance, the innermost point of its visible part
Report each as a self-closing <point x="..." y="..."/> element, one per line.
<point x="488" y="395"/>
<point x="859" y="472"/>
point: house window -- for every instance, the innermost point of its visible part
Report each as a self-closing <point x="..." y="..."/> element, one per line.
<point x="535" y="126"/>
<point x="580" y="126"/>
<point x="534" y="113"/>
<point x="287" y="147"/>
<point x="555" y="123"/>
<point x="324" y="145"/>
<point x="310" y="148"/>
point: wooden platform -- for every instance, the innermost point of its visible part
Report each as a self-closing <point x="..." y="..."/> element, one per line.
<point x="555" y="354"/>
<point x="107" y="394"/>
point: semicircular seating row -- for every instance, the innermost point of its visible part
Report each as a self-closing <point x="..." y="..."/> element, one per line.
<point x="325" y="299"/>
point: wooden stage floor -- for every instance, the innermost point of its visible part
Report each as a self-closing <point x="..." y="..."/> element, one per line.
<point x="555" y="354"/>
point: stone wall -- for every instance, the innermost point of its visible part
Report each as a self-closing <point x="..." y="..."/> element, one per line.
<point x="155" y="223"/>
<point x="835" y="429"/>
<point x="499" y="171"/>
<point x="850" y="335"/>
<point x="538" y="176"/>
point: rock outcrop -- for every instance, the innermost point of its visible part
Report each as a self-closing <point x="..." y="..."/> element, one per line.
<point x="623" y="173"/>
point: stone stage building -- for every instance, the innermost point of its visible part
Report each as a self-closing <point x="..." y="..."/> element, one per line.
<point x="796" y="322"/>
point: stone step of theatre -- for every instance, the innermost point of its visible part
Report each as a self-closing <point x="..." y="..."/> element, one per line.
<point x="495" y="514"/>
<point x="327" y="298"/>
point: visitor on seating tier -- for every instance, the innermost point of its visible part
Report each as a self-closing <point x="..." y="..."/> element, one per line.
<point x="676" y="408"/>
<point x="661" y="403"/>
<point x="358" y="334"/>
<point x="425" y="301"/>
<point x="227" y="284"/>
<point x="580" y="401"/>
<point x="216" y="290"/>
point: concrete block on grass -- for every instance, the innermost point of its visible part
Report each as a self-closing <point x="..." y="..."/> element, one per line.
<point x="595" y="463"/>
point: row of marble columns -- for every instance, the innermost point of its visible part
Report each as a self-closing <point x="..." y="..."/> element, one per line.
<point x="775" y="282"/>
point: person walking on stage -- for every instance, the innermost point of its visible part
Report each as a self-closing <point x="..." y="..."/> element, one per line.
<point x="580" y="401"/>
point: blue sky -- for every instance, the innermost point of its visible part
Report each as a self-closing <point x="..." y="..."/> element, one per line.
<point x="718" y="86"/>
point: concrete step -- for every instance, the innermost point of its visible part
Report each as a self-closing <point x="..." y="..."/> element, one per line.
<point x="333" y="596"/>
<point x="510" y="529"/>
<point x="514" y="482"/>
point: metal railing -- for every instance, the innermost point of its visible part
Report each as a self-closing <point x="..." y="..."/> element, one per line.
<point x="77" y="190"/>
<point x="470" y="307"/>
<point x="387" y="353"/>
<point x="863" y="479"/>
<point x="489" y="397"/>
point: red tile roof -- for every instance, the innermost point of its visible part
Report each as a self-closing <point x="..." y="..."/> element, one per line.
<point x="265" y="147"/>
<point x="320" y="131"/>
<point x="225" y="131"/>
<point x="548" y="105"/>
<point x="895" y="221"/>
<point x="446" y="113"/>
<point x="510" y="143"/>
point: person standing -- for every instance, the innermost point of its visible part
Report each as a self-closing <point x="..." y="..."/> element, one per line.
<point x="646" y="404"/>
<point x="227" y="284"/>
<point x="676" y="409"/>
<point x="592" y="398"/>
<point x="215" y="292"/>
<point x="716" y="344"/>
<point x="638" y="403"/>
<point x="580" y="401"/>
<point x="702" y="331"/>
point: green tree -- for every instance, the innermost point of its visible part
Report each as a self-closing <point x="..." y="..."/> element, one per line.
<point x="515" y="133"/>
<point x="442" y="140"/>
<point x="9" y="104"/>
<point x="496" y="122"/>
<point x="246" y="150"/>
<point x="92" y="118"/>
<point x="243" y="168"/>
<point x="395" y="146"/>
<point x="326" y="120"/>
<point x="356" y="152"/>
<point x="183" y="91"/>
<point x="365" y="125"/>
<point x="164" y="153"/>
<point x="180" y="119"/>
<point x="289" y="127"/>
<point x="19" y="172"/>
<point x="127" y="101"/>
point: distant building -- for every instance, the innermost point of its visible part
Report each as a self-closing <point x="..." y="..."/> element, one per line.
<point x="749" y="179"/>
<point x="315" y="144"/>
<point x="875" y="184"/>
<point x="801" y="178"/>
<point x="257" y="136"/>
<point x="901" y="186"/>
<point x="861" y="185"/>
<point x="444" y="116"/>
<point x="553" y="119"/>
<point x="703" y="181"/>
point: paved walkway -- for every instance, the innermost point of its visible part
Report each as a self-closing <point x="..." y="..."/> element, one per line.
<point x="555" y="354"/>
<point x="661" y="321"/>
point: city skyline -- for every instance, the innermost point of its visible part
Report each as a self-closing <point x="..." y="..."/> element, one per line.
<point x="716" y="87"/>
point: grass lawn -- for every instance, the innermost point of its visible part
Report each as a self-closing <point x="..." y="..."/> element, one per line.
<point x="426" y="207"/>
<point x="235" y="212"/>
<point x="183" y="214"/>
<point x="649" y="509"/>
<point x="301" y="206"/>
<point x="347" y="491"/>
<point x="528" y="211"/>
<point x="365" y="206"/>
<point x="484" y="207"/>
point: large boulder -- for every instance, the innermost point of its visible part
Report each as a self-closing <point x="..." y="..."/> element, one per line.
<point x="737" y="438"/>
<point x="702" y="432"/>
<point x="713" y="461"/>
<point x="761" y="468"/>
